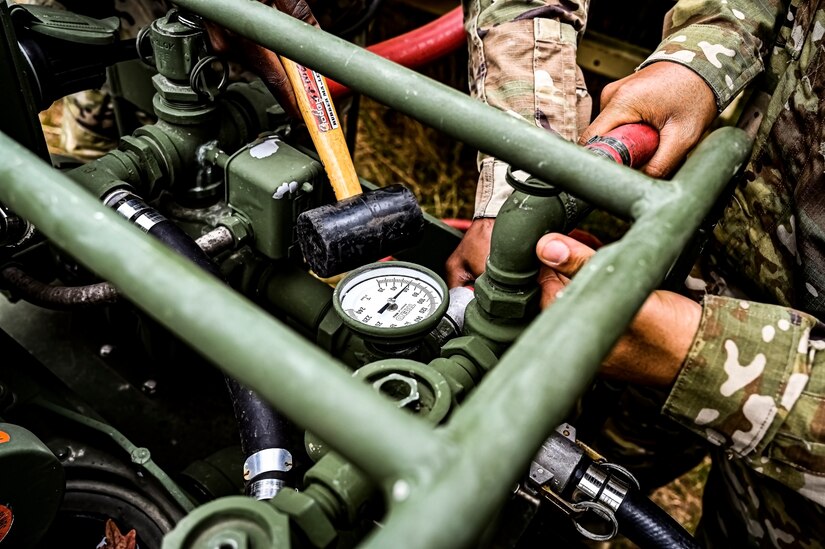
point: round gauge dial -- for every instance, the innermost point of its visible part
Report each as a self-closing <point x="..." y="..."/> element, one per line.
<point x="391" y="300"/>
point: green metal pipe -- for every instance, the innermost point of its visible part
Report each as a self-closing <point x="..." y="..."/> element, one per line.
<point x="308" y="386"/>
<point x="516" y="407"/>
<point x="550" y="158"/>
<point x="512" y="260"/>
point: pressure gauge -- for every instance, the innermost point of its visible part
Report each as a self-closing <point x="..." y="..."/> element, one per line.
<point x="391" y="302"/>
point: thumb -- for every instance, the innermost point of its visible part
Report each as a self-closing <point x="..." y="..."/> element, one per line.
<point x="563" y="254"/>
<point x="609" y="119"/>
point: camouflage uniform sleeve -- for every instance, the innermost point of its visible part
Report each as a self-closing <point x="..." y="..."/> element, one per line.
<point x="754" y="384"/>
<point x="523" y="61"/>
<point x="724" y="41"/>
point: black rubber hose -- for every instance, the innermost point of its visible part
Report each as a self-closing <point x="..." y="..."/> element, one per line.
<point x="57" y="297"/>
<point x="50" y="296"/>
<point x="175" y="238"/>
<point x="260" y="426"/>
<point x="649" y="527"/>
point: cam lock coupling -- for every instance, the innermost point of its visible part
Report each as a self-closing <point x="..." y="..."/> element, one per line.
<point x="580" y="482"/>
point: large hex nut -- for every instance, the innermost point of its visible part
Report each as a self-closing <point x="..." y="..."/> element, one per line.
<point x="473" y="349"/>
<point x="240" y="228"/>
<point x="147" y="154"/>
<point x="508" y="304"/>
<point x="307" y="514"/>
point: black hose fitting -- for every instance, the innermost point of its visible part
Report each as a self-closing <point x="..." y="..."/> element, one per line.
<point x="648" y="526"/>
<point x="150" y="221"/>
<point x="268" y="462"/>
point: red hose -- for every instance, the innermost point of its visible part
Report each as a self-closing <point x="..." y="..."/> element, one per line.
<point x="417" y="47"/>
<point x="461" y="224"/>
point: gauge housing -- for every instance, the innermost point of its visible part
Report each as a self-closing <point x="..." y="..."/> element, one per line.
<point x="364" y="284"/>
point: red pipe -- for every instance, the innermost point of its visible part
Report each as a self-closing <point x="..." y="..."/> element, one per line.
<point x="417" y="47"/>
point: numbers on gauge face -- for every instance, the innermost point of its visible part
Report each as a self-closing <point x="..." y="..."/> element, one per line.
<point x="391" y="300"/>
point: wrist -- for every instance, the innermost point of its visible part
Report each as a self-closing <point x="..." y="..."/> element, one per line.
<point x="657" y="342"/>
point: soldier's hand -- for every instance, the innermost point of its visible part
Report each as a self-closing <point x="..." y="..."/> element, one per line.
<point x="260" y="60"/>
<point x="655" y="345"/>
<point x="668" y="96"/>
<point x="468" y="260"/>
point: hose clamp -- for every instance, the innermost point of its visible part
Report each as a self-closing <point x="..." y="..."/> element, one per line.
<point x="265" y="461"/>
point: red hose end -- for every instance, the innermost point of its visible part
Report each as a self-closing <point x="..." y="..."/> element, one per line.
<point x="631" y="144"/>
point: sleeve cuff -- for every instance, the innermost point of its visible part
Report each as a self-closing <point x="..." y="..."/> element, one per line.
<point x="745" y="370"/>
<point x="718" y="55"/>
<point x="492" y="190"/>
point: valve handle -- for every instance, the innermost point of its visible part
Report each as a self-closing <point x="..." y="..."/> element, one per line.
<point x="629" y="144"/>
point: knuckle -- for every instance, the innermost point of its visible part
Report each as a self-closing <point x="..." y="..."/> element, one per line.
<point x="301" y="11"/>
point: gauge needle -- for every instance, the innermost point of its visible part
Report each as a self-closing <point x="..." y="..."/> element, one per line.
<point x="391" y="301"/>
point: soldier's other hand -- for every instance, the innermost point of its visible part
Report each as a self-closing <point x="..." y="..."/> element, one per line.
<point x="260" y="60"/>
<point x="468" y="260"/>
<point x="652" y="350"/>
<point x="668" y="96"/>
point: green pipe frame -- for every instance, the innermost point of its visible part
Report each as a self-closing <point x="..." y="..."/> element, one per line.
<point x="443" y="485"/>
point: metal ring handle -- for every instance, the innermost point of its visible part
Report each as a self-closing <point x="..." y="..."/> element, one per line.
<point x="197" y="76"/>
<point x="603" y="512"/>
<point x="623" y="472"/>
<point x="530" y="185"/>
<point x="139" y="46"/>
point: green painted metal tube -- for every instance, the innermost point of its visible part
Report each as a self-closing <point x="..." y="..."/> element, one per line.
<point x="608" y="186"/>
<point x="516" y="407"/>
<point x="308" y="386"/>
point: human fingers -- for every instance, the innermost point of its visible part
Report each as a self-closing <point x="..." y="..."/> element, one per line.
<point x="551" y="283"/>
<point x="218" y="37"/>
<point x="298" y="9"/>
<point x="667" y="96"/>
<point x="468" y="260"/>
<point x="675" y="140"/>
<point x="267" y="65"/>
<point x="610" y="118"/>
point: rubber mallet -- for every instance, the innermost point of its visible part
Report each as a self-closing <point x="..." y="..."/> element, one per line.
<point x="361" y="226"/>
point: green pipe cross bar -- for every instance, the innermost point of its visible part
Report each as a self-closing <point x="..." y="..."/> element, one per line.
<point x="444" y="485"/>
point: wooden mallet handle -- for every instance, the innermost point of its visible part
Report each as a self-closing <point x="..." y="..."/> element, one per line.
<point x="324" y="126"/>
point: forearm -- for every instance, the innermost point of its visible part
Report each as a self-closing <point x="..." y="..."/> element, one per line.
<point x="657" y="342"/>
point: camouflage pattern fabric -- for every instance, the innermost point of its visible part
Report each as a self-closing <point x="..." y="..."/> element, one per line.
<point x="754" y="386"/>
<point x="754" y="382"/>
<point x="88" y="123"/>
<point x="523" y="61"/>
